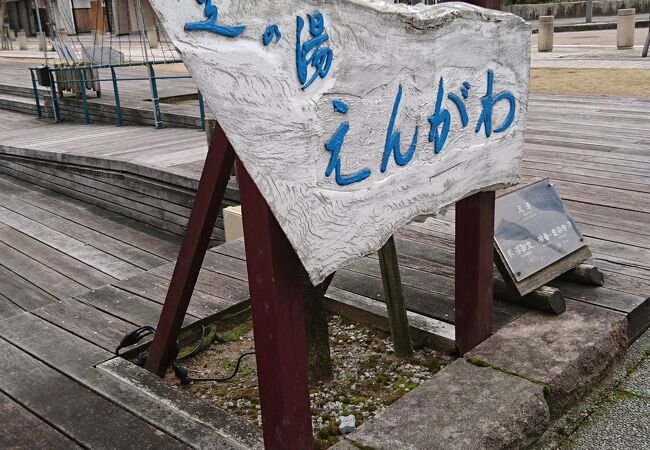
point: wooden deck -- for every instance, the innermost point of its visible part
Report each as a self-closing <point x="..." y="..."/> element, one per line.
<point x="73" y="280"/>
<point x="75" y="276"/>
<point x="137" y="171"/>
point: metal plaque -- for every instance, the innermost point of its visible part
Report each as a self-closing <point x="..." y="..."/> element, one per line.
<point x="533" y="229"/>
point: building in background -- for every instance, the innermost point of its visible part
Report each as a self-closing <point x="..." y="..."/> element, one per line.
<point x="119" y="17"/>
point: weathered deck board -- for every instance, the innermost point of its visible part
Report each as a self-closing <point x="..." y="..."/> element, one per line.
<point x="39" y="274"/>
<point x="66" y="405"/>
<point x="117" y="255"/>
<point x="8" y="308"/>
<point x="21" y="292"/>
<point x="78" y="248"/>
<point x="92" y="324"/>
<point x="78" y="359"/>
<point x="66" y="265"/>
<point x="22" y="429"/>
<point x="129" y="307"/>
<point x="77" y="320"/>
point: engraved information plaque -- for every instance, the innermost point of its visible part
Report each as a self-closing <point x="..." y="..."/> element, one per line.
<point x="533" y="229"/>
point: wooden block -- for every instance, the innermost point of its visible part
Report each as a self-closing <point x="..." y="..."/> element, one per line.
<point x="232" y="223"/>
<point x="545" y="298"/>
<point x="585" y="274"/>
<point x="424" y="330"/>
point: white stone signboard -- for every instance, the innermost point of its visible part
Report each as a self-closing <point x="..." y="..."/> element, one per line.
<point x="355" y="116"/>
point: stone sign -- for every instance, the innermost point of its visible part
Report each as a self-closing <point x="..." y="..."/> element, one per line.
<point x="533" y="229"/>
<point x="355" y="116"/>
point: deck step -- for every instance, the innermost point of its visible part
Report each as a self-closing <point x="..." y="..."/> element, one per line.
<point x="21" y="99"/>
<point x="144" y="194"/>
<point x="17" y="103"/>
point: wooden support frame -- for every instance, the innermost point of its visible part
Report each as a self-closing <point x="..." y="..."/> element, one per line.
<point x="214" y="180"/>
<point x="474" y="269"/>
<point x="276" y="298"/>
<point x="392" y="281"/>
<point x="277" y="292"/>
<point x="278" y="320"/>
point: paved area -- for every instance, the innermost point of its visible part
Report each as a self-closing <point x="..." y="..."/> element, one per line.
<point x="616" y="415"/>
<point x="595" y="21"/>
<point x="591" y="49"/>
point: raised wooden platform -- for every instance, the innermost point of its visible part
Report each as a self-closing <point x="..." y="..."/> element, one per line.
<point x="146" y="174"/>
<point x="16" y="94"/>
<point x="76" y="276"/>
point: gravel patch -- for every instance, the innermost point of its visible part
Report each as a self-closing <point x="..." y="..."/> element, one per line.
<point x="367" y="376"/>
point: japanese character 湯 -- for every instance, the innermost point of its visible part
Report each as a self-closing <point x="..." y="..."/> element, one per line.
<point x="312" y="53"/>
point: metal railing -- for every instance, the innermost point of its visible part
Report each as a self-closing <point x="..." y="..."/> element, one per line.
<point x="78" y="78"/>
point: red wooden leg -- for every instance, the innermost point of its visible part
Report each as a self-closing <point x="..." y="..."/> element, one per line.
<point x="278" y="321"/>
<point x="214" y="180"/>
<point x="474" y="258"/>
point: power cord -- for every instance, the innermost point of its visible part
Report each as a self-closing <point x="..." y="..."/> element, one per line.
<point x="181" y="372"/>
<point x="221" y="380"/>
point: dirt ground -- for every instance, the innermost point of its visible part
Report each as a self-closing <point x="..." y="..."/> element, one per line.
<point x="630" y="82"/>
<point x="367" y="376"/>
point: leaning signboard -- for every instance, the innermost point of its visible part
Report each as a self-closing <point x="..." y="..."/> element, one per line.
<point x="354" y="116"/>
<point x="535" y="237"/>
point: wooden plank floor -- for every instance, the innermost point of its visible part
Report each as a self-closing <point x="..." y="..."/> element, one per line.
<point x="72" y="284"/>
<point x="74" y="278"/>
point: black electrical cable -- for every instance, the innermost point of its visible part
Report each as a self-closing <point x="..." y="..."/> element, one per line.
<point x="221" y="380"/>
<point x="181" y="372"/>
<point x="134" y="337"/>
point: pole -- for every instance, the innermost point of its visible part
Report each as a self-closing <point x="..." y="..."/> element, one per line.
<point x="397" y="318"/>
<point x="473" y="271"/>
<point x="590" y="7"/>
<point x="644" y="53"/>
<point x="116" y="94"/>
<point x="278" y="323"/>
<point x="150" y="72"/>
<point x="40" y="29"/>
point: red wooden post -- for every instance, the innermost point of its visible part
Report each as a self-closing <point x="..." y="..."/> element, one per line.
<point x="278" y="320"/>
<point x="214" y="180"/>
<point x="474" y="258"/>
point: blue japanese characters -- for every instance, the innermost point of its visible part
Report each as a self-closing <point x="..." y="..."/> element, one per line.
<point x="311" y="52"/>
<point x="335" y="144"/>
<point x="313" y="60"/>
<point x="272" y="32"/>
<point x="211" y="13"/>
<point x="440" y="125"/>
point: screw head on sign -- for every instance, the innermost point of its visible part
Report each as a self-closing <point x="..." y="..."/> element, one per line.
<point x="518" y="274"/>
